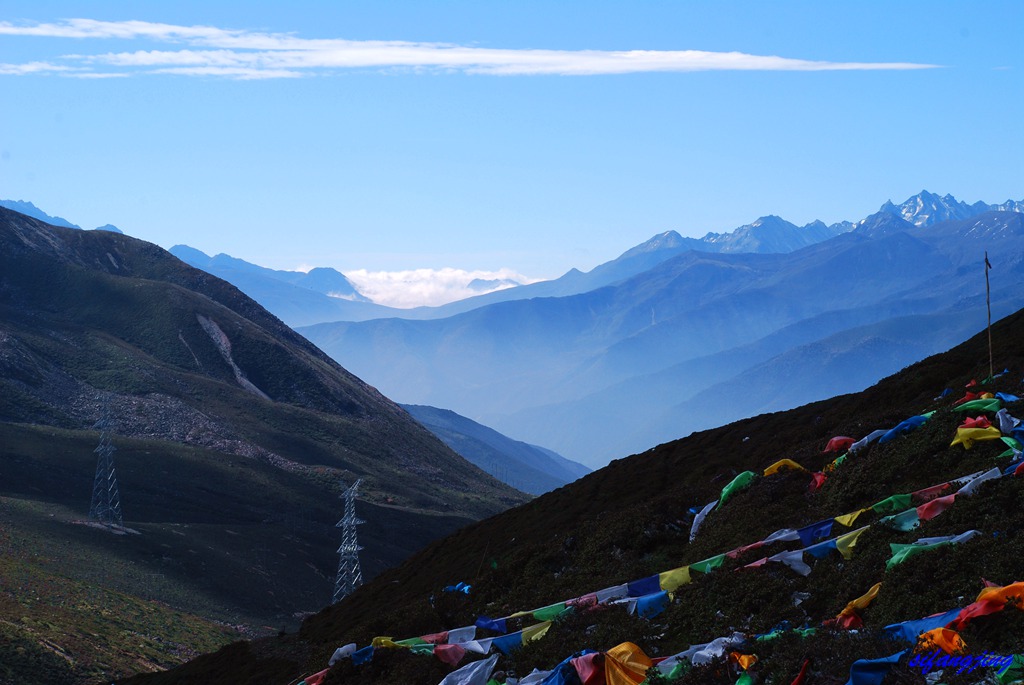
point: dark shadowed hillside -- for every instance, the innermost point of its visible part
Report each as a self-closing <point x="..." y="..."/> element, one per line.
<point x="233" y="437"/>
<point x="633" y="517"/>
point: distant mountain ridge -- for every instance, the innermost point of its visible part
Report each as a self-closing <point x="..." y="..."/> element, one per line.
<point x="326" y="293"/>
<point x="327" y="281"/>
<point x="525" y="467"/>
<point x="297" y="298"/>
<point x="766" y="235"/>
<point x="770" y="234"/>
<point x="29" y="209"/>
<point x="925" y="208"/>
<point x="580" y="373"/>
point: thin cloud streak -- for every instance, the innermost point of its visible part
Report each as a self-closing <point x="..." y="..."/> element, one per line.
<point x="32" y="68"/>
<point x="95" y="74"/>
<point x="237" y="73"/>
<point x="241" y="54"/>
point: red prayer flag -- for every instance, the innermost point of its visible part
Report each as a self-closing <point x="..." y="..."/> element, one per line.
<point x="840" y="442"/>
<point x="317" y="678"/>
<point x="590" y="668"/>
<point x="803" y="672"/>
<point x="928" y="511"/>
<point x="928" y="494"/>
<point x="450" y="654"/>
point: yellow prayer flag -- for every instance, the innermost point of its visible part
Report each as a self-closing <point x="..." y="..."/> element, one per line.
<point x="783" y="464"/>
<point x="670" y="580"/>
<point x="968" y="436"/>
<point x="863" y="601"/>
<point x="535" y="632"/>
<point x="386" y="642"/>
<point x="626" y="664"/>
<point x="845" y="543"/>
<point x="848" y="519"/>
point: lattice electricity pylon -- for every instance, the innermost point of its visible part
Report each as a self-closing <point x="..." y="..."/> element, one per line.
<point x="349" y="574"/>
<point x="106" y="500"/>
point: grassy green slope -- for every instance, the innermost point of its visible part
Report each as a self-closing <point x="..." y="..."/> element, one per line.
<point x="630" y="519"/>
<point x="64" y="621"/>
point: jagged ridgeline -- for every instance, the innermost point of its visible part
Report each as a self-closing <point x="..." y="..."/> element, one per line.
<point x="633" y="518"/>
<point x="234" y="438"/>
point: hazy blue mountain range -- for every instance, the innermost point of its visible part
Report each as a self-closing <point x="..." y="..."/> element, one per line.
<point x="766" y="235"/>
<point x="297" y="298"/>
<point x="327" y="295"/>
<point x="597" y="374"/>
<point x="29" y="209"/>
<point x="525" y="467"/>
<point x="322" y="280"/>
<point x="925" y="209"/>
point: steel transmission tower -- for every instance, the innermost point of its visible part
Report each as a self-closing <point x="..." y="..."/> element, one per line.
<point x="106" y="500"/>
<point x="349" y="574"/>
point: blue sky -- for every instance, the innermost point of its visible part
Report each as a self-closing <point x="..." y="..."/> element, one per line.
<point x="533" y="136"/>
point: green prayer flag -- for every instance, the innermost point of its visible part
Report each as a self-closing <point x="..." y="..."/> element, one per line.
<point x="1014" y="673"/>
<point x="412" y="642"/>
<point x="891" y="505"/>
<point x="768" y="637"/>
<point x="992" y="404"/>
<point x="738" y="483"/>
<point x="679" y="670"/>
<point x="901" y="553"/>
<point x="552" y="612"/>
<point x="708" y="565"/>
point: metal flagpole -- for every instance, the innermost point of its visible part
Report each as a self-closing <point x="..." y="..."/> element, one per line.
<point x="988" y="302"/>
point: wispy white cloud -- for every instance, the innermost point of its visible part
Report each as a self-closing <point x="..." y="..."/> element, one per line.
<point x="32" y="68"/>
<point x="95" y="74"/>
<point x="417" y="287"/>
<point x="93" y="28"/>
<point x="239" y="73"/>
<point x="243" y="54"/>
